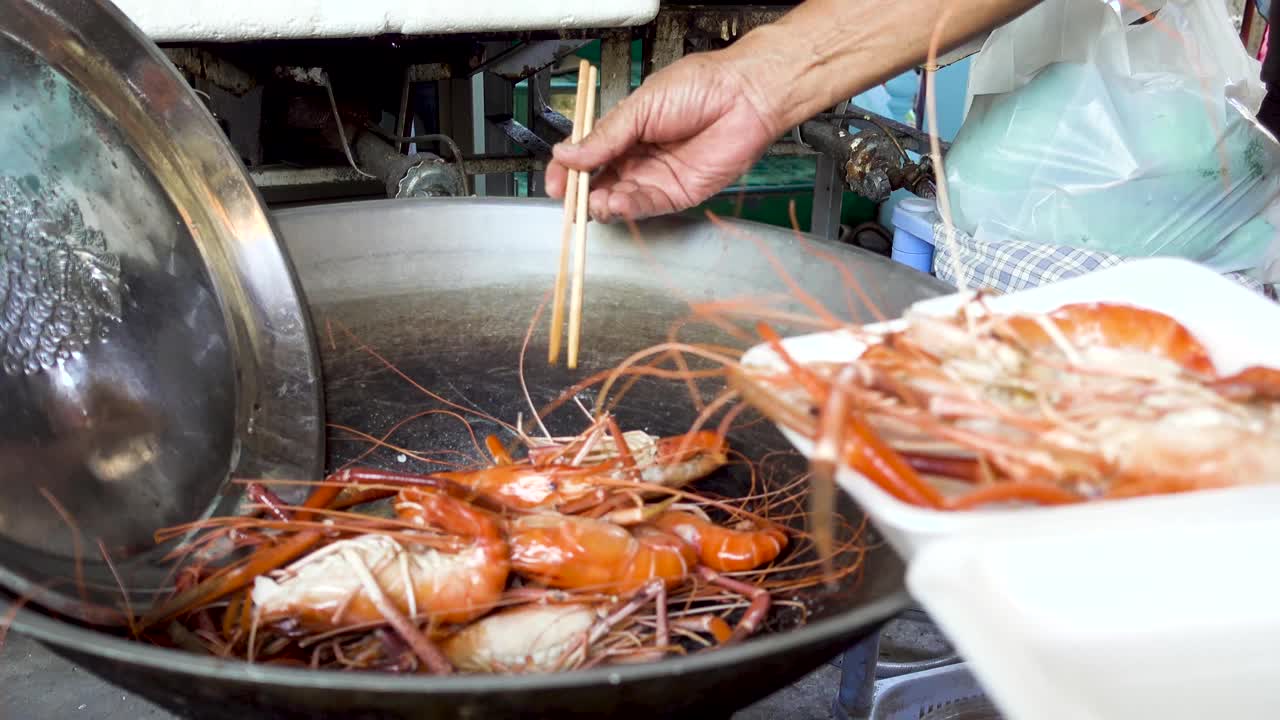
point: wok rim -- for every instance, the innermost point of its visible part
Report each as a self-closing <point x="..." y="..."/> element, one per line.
<point x="169" y="661"/>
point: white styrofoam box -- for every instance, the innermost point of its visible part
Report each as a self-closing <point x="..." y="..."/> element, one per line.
<point x="244" y="20"/>
<point x="1164" y="608"/>
<point x="1237" y="326"/>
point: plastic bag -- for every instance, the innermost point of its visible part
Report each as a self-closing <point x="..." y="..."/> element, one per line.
<point x="1129" y="12"/>
<point x="1137" y="140"/>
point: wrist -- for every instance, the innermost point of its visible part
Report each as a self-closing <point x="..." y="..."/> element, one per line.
<point x="825" y="51"/>
<point x="772" y="67"/>
<point x="798" y="67"/>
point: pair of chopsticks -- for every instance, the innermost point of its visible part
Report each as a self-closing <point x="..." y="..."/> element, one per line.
<point x="577" y="189"/>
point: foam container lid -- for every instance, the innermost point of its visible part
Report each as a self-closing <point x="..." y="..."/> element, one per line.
<point x="1163" y="609"/>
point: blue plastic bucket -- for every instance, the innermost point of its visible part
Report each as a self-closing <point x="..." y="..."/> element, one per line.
<point x="913" y="220"/>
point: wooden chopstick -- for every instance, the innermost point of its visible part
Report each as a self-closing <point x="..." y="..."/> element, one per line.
<point x="580" y="238"/>
<point x="570" y="211"/>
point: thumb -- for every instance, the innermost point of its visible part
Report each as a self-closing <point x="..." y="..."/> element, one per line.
<point x="616" y="132"/>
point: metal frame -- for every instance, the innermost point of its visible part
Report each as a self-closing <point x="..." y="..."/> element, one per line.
<point x="498" y="99"/>
<point x="479" y="113"/>
<point x="875" y="688"/>
<point x="828" y="192"/>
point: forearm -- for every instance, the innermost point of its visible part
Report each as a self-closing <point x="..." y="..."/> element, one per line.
<point x="825" y="51"/>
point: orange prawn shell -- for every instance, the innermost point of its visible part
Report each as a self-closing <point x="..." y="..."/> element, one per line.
<point x="1119" y="326"/>
<point x="579" y="553"/>
<point x="525" y="487"/>
<point x="680" y="448"/>
<point x="324" y="594"/>
<point x="678" y="461"/>
<point x="724" y="549"/>
<point x="1252" y="383"/>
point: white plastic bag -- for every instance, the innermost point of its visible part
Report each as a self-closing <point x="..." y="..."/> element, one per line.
<point x="1128" y="11"/>
<point x="1138" y="140"/>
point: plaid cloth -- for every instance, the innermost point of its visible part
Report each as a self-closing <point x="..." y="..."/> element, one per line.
<point x="1016" y="265"/>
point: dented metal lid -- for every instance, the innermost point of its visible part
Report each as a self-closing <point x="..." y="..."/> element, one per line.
<point x="153" y="340"/>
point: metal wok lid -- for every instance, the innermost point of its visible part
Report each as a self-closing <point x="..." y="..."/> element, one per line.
<point x="152" y="336"/>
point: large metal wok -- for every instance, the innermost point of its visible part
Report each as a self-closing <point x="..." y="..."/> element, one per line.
<point x="445" y="290"/>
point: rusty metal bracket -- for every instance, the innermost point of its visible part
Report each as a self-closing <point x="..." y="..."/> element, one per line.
<point x="416" y="175"/>
<point x="428" y="72"/>
<point x="678" y="30"/>
<point x="873" y="161"/>
<point x="529" y="58"/>
<point x="872" y="158"/>
<point x="615" y="69"/>
<point x="201" y="64"/>
<point x="557" y="122"/>
<point x="521" y="135"/>
<point x="910" y="138"/>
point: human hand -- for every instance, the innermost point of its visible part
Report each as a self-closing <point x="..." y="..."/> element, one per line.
<point x="686" y="133"/>
<point x="700" y="123"/>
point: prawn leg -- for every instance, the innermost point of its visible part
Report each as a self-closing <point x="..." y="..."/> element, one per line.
<point x="233" y="579"/>
<point x="638" y="513"/>
<point x="624" y="450"/>
<point x="272" y="557"/>
<point x="428" y="506"/>
<point x="430" y="655"/>
<point x="823" y="463"/>
<point x="261" y="561"/>
<point x="355" y="477"/>
<point x="1040" y="493"/>
<point x="654" y="589"/>
<point x="497" y="450"/>
<point x="271" y="502"/>
<point x="963" y="469"/>
<point x="756" y="611"/>
<point x="663" y="638"/>
<point x="862" y="447"/>
<point x="709" y="623"/>
<point x="872" y="457"/>
<point x="590" y="501"/>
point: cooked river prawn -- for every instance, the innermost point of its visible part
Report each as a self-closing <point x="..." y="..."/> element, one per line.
<point x="580" y="553"/>
<point x="586" y="553"/>
<point x="521" y="639"/>
<point x="1091" y="401"/>
<point x="326" y="590"/>
<point x="551" y="637"/>
<point x="561" y="485"/>
<point x="589" y="549"/>
<point x="497" y="589"/>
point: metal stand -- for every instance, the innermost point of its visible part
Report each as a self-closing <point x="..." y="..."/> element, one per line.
<point x="903" y="671"/>
<point x="828" y="193"/>
<point x="498" y="99"/>
<point x="857" y="679"/>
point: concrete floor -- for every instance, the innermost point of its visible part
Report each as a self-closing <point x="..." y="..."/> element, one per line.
<point x="35" y="684"/>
